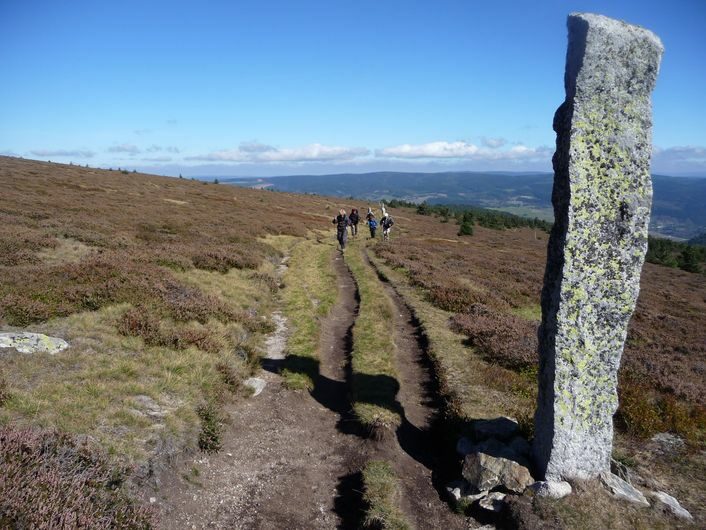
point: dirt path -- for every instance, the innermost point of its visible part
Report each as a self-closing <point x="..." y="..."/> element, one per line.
<point x="293" y="460"/>
<point x="417" y="453"/>
<point x="289" y="459"/>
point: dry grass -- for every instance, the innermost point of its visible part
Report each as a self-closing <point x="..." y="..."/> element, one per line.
<point x="471" y="387"/>
<point x="374" y="381"/>
<point x="161" y="286"/>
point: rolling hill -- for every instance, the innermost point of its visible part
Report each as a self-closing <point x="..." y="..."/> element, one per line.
<point x="676" y="213"/>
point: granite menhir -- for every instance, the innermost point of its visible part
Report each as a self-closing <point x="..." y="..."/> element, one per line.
<point x="602" y="198"/>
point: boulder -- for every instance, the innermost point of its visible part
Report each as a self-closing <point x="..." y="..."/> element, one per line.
<point x="501" y="428"/>
<point x="671" y="505"/>
<point x="485" y="472"/>
<point x="552" y="489"/>
<point x="622" y="490"/>
<point x="25" y="342"/>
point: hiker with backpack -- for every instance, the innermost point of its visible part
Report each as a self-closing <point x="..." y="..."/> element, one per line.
<point x="386" y="223"/>
<point x="354" y="218"/>
<point x="342" y="222"/>
<point x="372" y="224"/>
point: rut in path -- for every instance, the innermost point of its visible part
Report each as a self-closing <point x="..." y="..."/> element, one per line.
<point x="418" y="455"/>
<point x="289" y="459"/>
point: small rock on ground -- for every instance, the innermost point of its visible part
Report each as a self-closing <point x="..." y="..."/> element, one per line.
<point x="672" y="505"/>
<point x="623" y="490"/>
<point x="552" y="489"/>
<point x="257" y="385"/>
<point x="493" y="501"/>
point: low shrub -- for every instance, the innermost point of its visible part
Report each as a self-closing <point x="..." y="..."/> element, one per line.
<point x="4" y="392"/>
<point x="51" y="480"/>
<point x="505" y="339"/>
<point x="211" y="428"/>
<point x="20" y="311"/>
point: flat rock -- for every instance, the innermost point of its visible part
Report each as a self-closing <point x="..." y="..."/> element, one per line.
<point x="485" y="472"/>
<point x="623" y="490"/>
<point x="672" y="505"/>
<point x="552" y="489"/>
<point x="25" y="342"/>
<point x="666" y="442"/>
<point x="257" y="385"/>
<point x="493" y="501"/>
<point x="502" y="428"/>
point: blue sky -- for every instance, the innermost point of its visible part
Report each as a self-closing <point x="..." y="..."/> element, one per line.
<point x="268" y="88"/>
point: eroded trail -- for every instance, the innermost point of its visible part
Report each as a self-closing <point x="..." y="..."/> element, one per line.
<point x="289" y="459"/>
<point x="417" y="454"/>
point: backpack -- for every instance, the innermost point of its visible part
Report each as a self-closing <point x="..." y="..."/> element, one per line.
<point x="390" y="221"/>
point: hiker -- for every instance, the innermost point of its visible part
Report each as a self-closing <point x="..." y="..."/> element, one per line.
<point x="354" y="218"/>
<point x="341" y="221"/>
<point x="372" y="224"/>
<point x="386" y="223"/>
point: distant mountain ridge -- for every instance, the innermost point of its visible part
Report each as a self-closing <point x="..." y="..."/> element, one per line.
<point x="677" y="205"/>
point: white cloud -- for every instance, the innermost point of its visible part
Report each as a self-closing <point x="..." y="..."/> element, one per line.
<point x="157" y="148"/>
<point x="493" y="143"/>
<point x="124" y="148"/>
<point x="261" y="153"/>
<point x="157" y="159"/>
<point x="464" y="150"/>
<point x="78" y="153"/>
<point x="681" y="159"/>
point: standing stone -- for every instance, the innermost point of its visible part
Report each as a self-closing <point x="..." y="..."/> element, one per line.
<point x="602" y="197"/>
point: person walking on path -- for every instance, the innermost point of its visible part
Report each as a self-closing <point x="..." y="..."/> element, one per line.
<point x="386" y="223"/>
<point x="372" y="224"/>
<point x="354" y="218"/>
<point x="341" y="221"/>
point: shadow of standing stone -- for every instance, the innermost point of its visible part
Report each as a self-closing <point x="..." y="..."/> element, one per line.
<point x="602" y="198"/>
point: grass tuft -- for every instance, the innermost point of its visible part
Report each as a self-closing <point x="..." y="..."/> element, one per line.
<point x="381" y="493"/>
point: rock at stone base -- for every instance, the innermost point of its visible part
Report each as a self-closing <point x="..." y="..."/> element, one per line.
<point x="552" y="489"/>
<point x="464" y="446"/>
<point x="493" y="501"/>
<point x="520" y="446"/>
<point x="25" y="342"/>
<point x="672" y="505"/>
<point x="501" y="428"/>
<point x="460" y="490"/>
<point x="622" y="490"/>
<point x="257" y="385"/>
<point x="485" y="472"/>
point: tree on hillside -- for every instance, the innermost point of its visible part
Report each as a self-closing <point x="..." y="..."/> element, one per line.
<point x="423" y="209"/>
<point x="466" y="229"/>
<point x="689" y="259"/>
